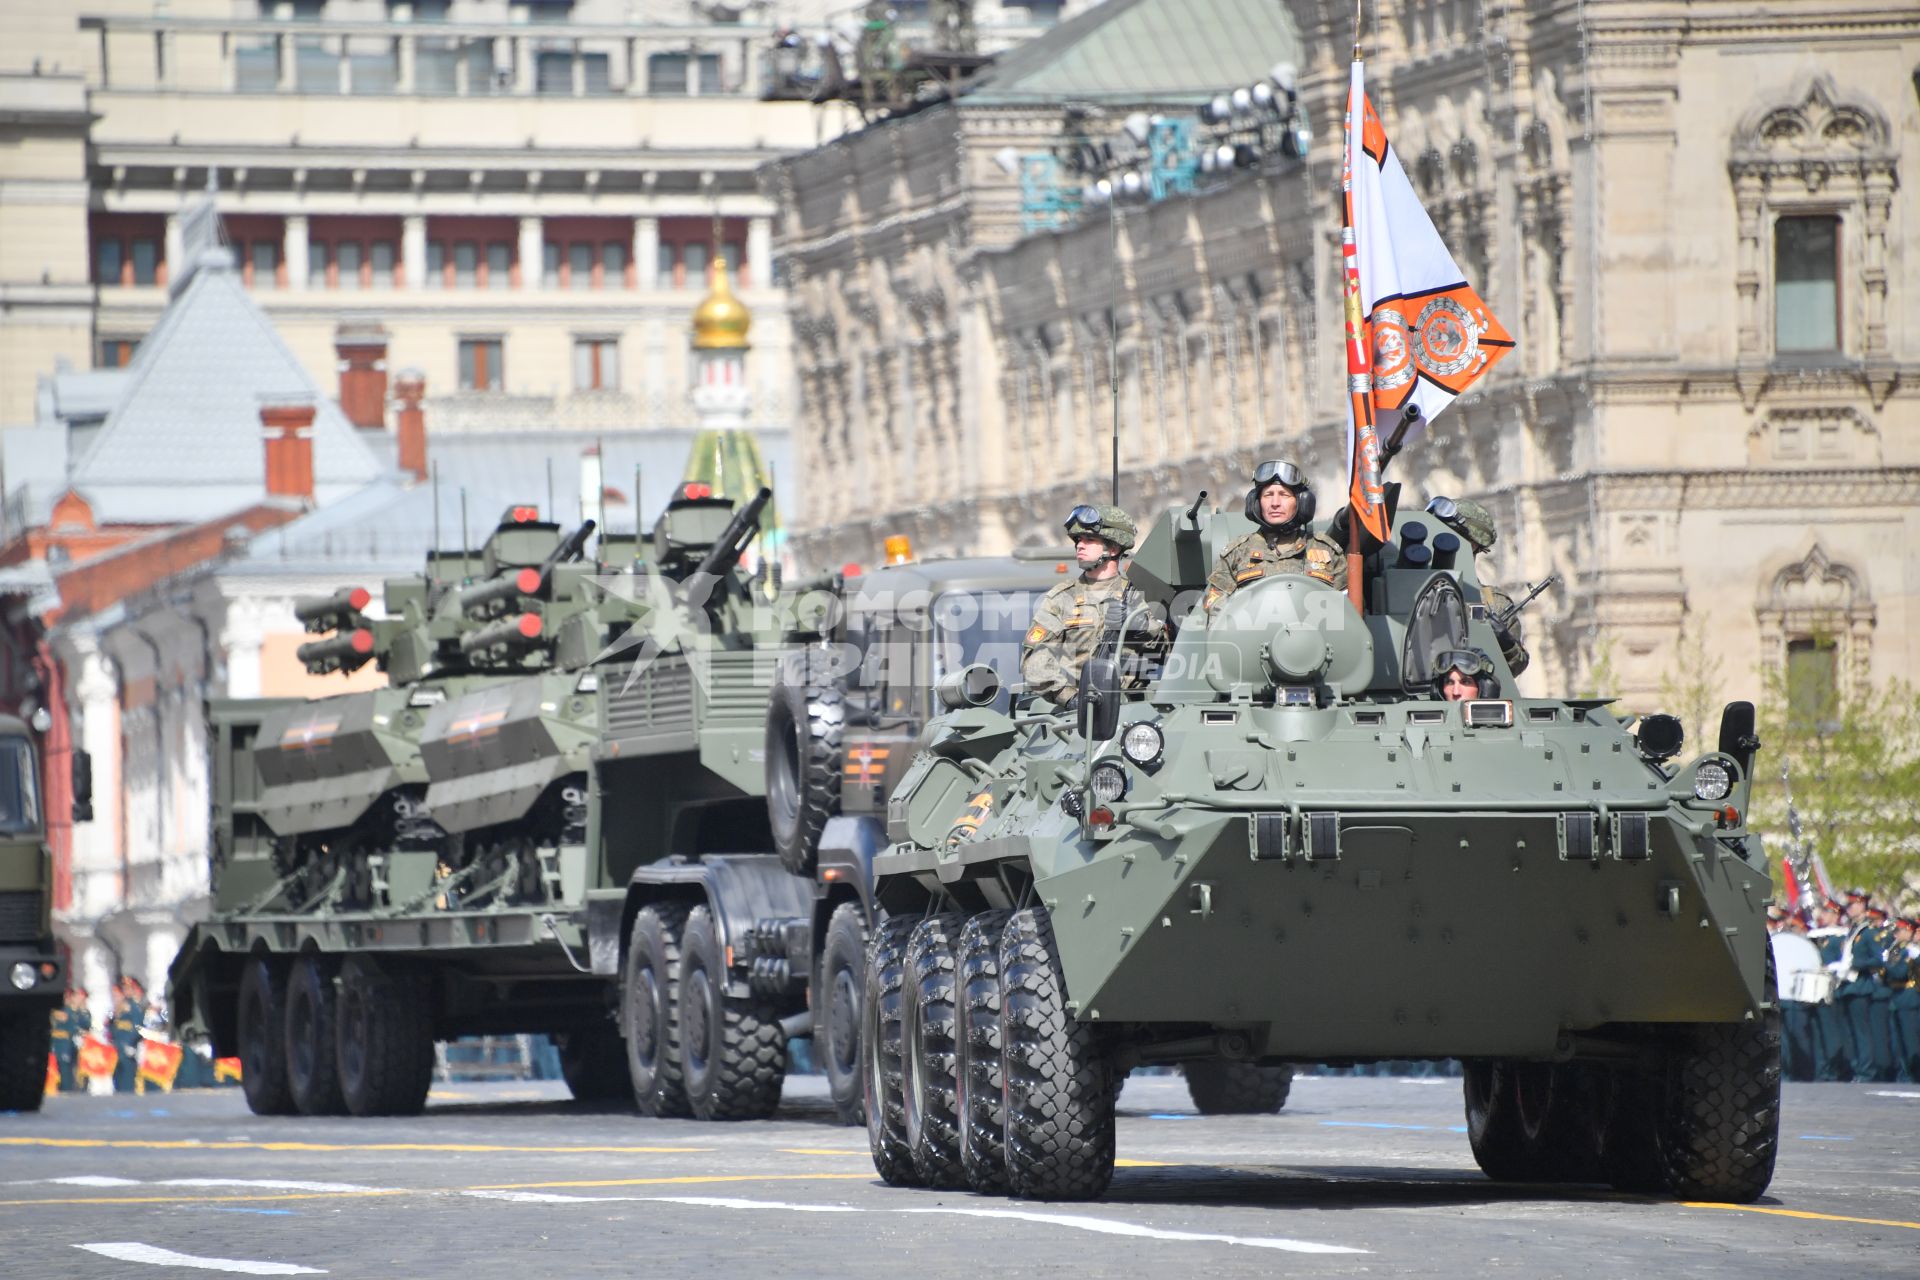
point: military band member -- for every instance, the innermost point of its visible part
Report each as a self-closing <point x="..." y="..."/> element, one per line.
<point x="1070" y="620"/>
<point x="1474" y="523"/>
<point x="1281" y="503"/>
<point x="1832" y="1050"/>
<point x="1903" y="979"/>
<point x="1861" y="990"/>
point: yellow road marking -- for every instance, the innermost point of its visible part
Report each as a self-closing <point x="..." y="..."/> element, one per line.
<point x="1800" y="1213"/>
<point x="684" y="1180"/>
<point x="189" y="1145"/>
<point x="279" y="1195"/>
<point x="824" y="1151"/>
<point x="688" y="1178"/>
<point x="1146" y="1164"/>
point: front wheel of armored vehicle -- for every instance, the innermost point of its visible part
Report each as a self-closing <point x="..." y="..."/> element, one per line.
<point x="733" y="1055"/>
<point x="977" y="1074"/>
<point x="1720" y="1126"/>
<point x="385" y="1030"/>
<point x="929" y="1099"/>
<point x="25" y="1040"/>
<point x="650" y="1010"/>
<point x="313" y="1072"/>
<point x="836" y="1010"/>
<point x="593" y="1062"/>
<point x="883" y="1066"/>
<point x="262" y="1033"/>
<point x="804" y="718"/>
<point x="1237" y="1088"/>
<point x="1059" y="1090"/>
<point x="1523" y="1120"/>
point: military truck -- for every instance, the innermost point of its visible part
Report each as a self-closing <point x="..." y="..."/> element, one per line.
<point x="35" y="977"/>
<point x="1287" y="848"/>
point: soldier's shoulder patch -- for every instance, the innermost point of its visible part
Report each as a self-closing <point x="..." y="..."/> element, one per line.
<point x="1319" y="555"/>
<point x="1036" y="633"/>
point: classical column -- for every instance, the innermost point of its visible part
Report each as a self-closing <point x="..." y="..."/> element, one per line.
<point x="646" y="252"/>
<point x="293" y="250"/>
<point x="533" y="253"/>
<point x="413" y="251"/>
<point x="176" y="249"/>
<point x="403" y="82"/>
<point x="760" y="252"/>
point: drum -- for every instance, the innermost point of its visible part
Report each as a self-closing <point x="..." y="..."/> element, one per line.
<point x="1798" y="971"/>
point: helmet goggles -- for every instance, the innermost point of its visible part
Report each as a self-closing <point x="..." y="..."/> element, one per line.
<point x="1445" y="508"/>
<point x="1285" y="472"/>
<point x="1468" y="662"/>
<point x="1083" y="519"/>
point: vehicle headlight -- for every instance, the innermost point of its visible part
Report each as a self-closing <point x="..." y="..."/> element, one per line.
<point x="1143" y="742"/>
<point x="23" y="977"/>
<point x="1109" y="782"/>
<point x="1712" y="780"/>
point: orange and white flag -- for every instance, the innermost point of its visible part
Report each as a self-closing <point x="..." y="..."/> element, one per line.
<point x="1416" y="332"/>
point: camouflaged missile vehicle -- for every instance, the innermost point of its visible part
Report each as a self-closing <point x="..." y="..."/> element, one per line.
<point x="1287" y="848"/>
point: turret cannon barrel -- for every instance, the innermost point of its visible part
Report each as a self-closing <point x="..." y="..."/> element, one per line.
<point x="480" y="599"/>
<point x="320" y="614"/>
<point x="733" y="539"/>
<point x="347" y="651"/>
<point x="520" y="632"/>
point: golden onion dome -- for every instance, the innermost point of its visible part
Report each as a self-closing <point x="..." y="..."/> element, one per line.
<point x="720" y="323"/>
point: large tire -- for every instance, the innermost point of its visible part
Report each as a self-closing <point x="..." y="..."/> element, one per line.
<point x="1526" y="1121"/>
<point x="882" y="1071"/>
<point x="262" y="1032"/>
<point x="1236" y="1088"/>
<point x="593" y="1062"/>
<point x="836" y="1010"/>
<point x="805" y="716"/>
<point x="1720" y="1124"/>
<point x="650" y="1011"/>
<point x="26" y="1038"/>
<point x="313" y="1071"/>
<point x="1059" y="1091"/>
<point x="733" y="1055"/>
<point x="930" y="1096"/>
<point x="977" y="1073"/>
<point x="385" y="1033"/>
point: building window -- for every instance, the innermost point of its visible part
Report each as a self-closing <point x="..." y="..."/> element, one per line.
<point x="109" y="256"/>
<point x="667" y="74"/>
<point x="481" y="365"/>
<point x="317" y="264"/>
<point x="347" y="264"/>
<point x="1806" y="284"/>
<point x="596" y="364"/>
<point x="382" y="261"/>
<point x="499" y="266"/>
<point x="613" y="263"/>
<point x="117" y="353"/>
<point x="466" y="265"/>
<point x="436" y="264"/>
<point x="550" y="276"/>
<point x="585" y="263"/>
<point x="263" y="264"/>
<point x="1813" y="681"/>
<point x="146" y="262"/>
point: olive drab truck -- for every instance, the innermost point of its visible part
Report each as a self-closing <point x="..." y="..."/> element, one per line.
<point x="33" y="977"/>
<point x="1287" y="848"/>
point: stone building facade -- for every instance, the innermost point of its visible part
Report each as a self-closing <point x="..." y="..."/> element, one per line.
<point x="1698" y="222"/>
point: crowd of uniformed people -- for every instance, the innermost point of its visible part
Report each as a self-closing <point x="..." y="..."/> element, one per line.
<point x="1856" y="1016"/>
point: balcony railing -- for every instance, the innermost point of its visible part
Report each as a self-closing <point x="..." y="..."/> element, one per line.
<point x="199" y="55"/>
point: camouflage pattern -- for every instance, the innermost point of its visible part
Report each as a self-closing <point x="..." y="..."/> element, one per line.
<point x="1261" y="554"/>
<point x="1475" y="523"/>
<point x="1067" y="624"/>
<point x="1510" y="637"/>
<point x="1115" y="525"/>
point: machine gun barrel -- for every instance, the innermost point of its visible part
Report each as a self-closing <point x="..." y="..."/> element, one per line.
<point x="477" y="601"/>
<point x="347" y="651"/>
<point x="521" y="632"/>
<point x="1506" y="616"/>
<point x="320" y="614"/>
<point x="733" y="540"/>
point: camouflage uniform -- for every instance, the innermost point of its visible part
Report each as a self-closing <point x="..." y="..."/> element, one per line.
<point x="1261" y="554"/>
<point x="1067" y="624"/>
<point x="1475" y="523"/>
<point x="1512" y="647"/>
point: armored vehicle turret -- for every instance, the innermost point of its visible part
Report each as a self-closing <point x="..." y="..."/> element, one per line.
<point x="1288" y="847"/>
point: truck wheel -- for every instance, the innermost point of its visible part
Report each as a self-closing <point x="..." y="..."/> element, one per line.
<point x="650" y="1010"/>
<point x="593" y="1062"/>
<point x="313" y="1073"/>
<point x="385" y="1033"/>
<point x="733" y="1054"/>
<point x="25" y="1040"/>
<point x="1720" y="1125"/>
<point x="977" y="1073"/>
<point x="263" y="1027"/>
<point x="1059" y="1094"/>
<point x="932" y="1115"/>
<point x="804" y="719"/>
<point x="836" y="1028"/>
<point x="1524" y="1121"/>
<point x="883" y="1074"/>
<point x="1237" y="1088"/>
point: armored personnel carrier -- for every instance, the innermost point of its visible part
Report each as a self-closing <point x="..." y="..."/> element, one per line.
<point x="1287" y="848"/>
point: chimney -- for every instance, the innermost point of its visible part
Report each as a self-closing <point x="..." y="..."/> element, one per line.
<point x="409" y="390"/>
<point x="288" y="428"/>
<point x="362" y="348"/>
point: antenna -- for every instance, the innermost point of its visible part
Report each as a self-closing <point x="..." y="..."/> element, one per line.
<point x="551" y="513"/>
<point x="636" y="503"/>
<point x="1113" y="329"/>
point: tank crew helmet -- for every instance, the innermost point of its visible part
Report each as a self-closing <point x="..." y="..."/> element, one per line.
<point x="1274" y="471"/>
<point x="1471" y="663"/>
<point x="1468" y="519"/>
<point x="1108" y="523"/>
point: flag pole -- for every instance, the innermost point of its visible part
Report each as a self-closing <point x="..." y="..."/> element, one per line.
<point x="1359" y="372"/>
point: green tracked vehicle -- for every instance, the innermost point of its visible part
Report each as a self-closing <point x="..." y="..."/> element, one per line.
<point x="1286" y="848"/>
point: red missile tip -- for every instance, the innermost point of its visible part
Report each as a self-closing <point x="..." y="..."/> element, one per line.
<point x="525" y="515"/>
<point x="528" y="581"/>
<point x="850" y="570"/>
<point x="360" y="598"/>
<point x="530" y="625"/>
<point x="362" y="640"/>
<point x="694" y="489"/>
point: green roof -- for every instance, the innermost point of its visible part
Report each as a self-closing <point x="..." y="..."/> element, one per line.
<point x="1145" y="51"/>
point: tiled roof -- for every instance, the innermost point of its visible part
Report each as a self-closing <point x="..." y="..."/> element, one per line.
<point x="186" y="438"/>
<point x="1145" y="51"/>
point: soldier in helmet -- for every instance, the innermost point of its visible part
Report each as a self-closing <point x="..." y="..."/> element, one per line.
<point x="1464" y="674"/>
<point x="1281" y="503"/>
<point x="1070" y="620"/>
<point x="1471" y="521"/>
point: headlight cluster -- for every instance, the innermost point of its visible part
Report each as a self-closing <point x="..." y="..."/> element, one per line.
<point x="1142" y="743"/>
<point x="1109" y="782"/>
<point x="1712" y="780"/>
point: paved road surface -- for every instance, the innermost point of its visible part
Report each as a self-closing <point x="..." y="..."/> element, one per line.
<point x="1356" y="1177"/>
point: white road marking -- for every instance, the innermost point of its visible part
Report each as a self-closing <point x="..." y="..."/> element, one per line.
<point x="1893" y="1093"/>
<point x="79" y="1180"/>
<point x="154" y="1255"/>
<point x="1452" y="1080"/>
<point x="1107" y="1226"/>
<point x="728" y="1202"/>
<point x="542" y="1197"/>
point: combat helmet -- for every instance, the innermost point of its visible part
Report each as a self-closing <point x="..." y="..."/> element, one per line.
<point x="1467" y="518"/>
<point x="1105" y="522"/>
<point x="1471" y="663"/>
<point x="1275" y="471"/>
